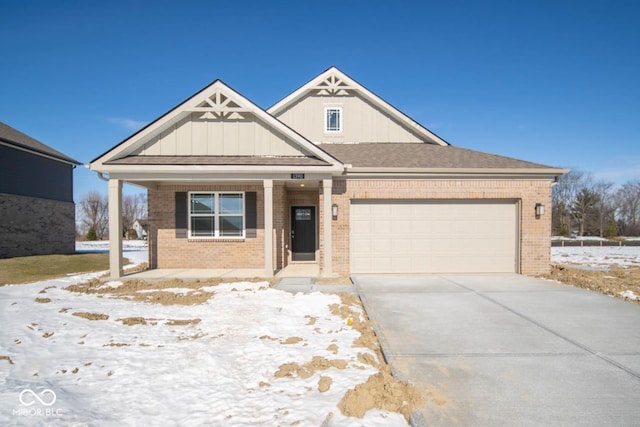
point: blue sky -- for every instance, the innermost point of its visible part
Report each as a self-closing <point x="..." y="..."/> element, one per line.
<point x="554" y="82"/>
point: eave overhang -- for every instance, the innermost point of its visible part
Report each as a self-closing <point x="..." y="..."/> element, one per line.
<point x="453" y="173"/>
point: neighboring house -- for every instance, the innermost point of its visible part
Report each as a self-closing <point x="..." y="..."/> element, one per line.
<point x="36" y="197"/>
<point x="141" y="226"/>
<point x="331" y="174"/>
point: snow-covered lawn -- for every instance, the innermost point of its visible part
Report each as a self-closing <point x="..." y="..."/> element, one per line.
<point x="243" y="354"/>
<point x="135" y="250"/>
<point x="597" y="256"/>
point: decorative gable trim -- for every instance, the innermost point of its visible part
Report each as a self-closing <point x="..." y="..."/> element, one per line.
<point x="334" y="82"/>
<point x="216" y="101"/>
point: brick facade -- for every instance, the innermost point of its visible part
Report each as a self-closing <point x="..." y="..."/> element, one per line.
<point x="535" y="242"/>
<point x="168" y="251"/>
<point x="35" y="226"/>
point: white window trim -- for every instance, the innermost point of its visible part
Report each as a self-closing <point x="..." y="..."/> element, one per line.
<point x="217" y="215"/>
<point x="326" y="119"/>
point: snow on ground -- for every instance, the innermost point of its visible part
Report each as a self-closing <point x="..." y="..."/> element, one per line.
<point x="135" y="250"/>
<point x="597" y="256"/>
<point x="64" y="362"/>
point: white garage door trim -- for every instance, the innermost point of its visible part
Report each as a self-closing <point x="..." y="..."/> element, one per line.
<point x="434" y="236"/>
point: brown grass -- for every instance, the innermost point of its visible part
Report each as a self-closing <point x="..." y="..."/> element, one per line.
<point x="44" y="267"/>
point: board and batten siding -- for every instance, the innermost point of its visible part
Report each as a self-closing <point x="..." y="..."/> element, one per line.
<point x="194" y="136"/>
<point x="361" y="121"/>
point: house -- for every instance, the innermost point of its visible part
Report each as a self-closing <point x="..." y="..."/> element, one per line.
<point x="36" y="197"/>
<point x="331" y="174"/>
<point x="140" y="226"/>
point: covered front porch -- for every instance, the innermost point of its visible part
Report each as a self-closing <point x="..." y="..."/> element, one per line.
<point x="279" y="201"/>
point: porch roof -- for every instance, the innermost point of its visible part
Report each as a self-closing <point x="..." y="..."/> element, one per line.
<point x="218" y="161"/>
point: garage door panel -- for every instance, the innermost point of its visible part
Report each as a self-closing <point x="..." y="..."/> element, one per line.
<point x="433" y="237"/>
<point x="401" y="227"/>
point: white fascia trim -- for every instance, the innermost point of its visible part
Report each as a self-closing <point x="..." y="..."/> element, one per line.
<point x="214" y="170"/>
<point x="458" y="171"/>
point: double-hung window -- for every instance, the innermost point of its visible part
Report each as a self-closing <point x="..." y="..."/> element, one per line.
<point x="216" y="214"/>
<point x="333" y="119"/>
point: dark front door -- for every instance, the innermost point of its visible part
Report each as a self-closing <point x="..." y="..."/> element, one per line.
<point x="303" y="233"/>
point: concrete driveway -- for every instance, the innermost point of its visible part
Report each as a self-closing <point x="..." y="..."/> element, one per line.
<point x="509" y="350"/>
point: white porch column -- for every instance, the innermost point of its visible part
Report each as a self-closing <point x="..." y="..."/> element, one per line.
<point x="115" y="228"/>
<point x="268" y="227"/>
<point x="327" y="184"/>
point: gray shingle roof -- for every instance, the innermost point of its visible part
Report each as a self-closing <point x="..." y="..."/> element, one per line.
<point x="421" y="156"/>
<point x="14" y="137"/>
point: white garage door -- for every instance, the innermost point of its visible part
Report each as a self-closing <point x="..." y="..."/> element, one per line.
<point x="433" y="237"/>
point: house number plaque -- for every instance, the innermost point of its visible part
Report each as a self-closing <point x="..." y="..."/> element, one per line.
<point x="297" y="176"/>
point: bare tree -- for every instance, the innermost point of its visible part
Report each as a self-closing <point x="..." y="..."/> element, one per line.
<point x="563" y="195"/>
<point x="583" y="207"/>
<point x="133" y="208"/>
<point x="628" y="208"/>
<point x="94" y="214"/>
<point x="604" y="207"/>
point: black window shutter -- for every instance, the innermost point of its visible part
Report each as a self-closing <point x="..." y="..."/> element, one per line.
<point x="251" y="215"/>
<point x="181" y="215"/>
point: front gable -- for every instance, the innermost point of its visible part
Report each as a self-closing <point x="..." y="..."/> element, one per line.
<point x="215" y="122"/>
<point x="361" y="115"/>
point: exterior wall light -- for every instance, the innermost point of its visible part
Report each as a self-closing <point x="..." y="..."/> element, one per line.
<point x="539" y="209"/>
<point x="334" y="211"/>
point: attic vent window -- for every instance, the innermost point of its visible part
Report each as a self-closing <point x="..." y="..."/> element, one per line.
<point x="333" y="119"/>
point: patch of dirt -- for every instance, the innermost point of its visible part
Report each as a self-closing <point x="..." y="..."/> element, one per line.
<point x="347" y="310"/>
<point x="184" y="322"/>
<point x="324" y="384"/>
<point x="381" y="391"/>
<point x="368" y="359"/>
<point x="91" y="316"/>
<point x="305" y="371"/>
<point x="312" y="320"/>
<point x="153" y="291"/>
<point x="611" y="282"/>
<point x="44" y="291"/>
<point x="130" y="321"/>
<point x="43" y="300"/>
<point x="291" y="340"/>
<point x="7" y="358"/>
<point x="333" y="348"/>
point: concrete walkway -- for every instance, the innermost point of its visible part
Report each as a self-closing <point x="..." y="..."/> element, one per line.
<point x="509" y="350"/>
